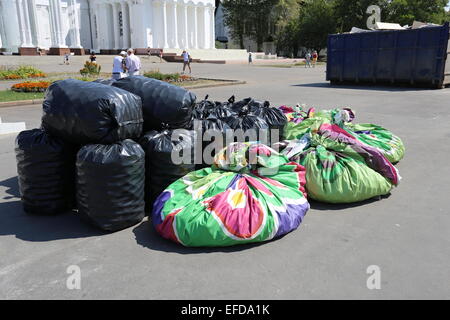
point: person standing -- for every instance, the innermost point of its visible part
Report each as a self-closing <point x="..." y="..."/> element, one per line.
<point x="133" y="63"/>
<point x="314" y="58"/>
<point x="250" y="58"/>
<point x="308" y="59"/>
<point x="160" y="55"/>
<point x="186" y="60"/>
<point x="118" y="71"/>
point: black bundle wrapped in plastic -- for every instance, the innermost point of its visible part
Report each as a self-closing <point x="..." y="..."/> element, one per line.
<point x="107" y="82"/>
<point x="162" y="103"/>
<point x="160" y="168"/>
<point x="46" y="172"/>
<point x="87" y="112"/>
<point x="110" y="184"/>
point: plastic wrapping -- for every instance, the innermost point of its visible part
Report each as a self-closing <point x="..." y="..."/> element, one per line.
<point x="231" y="204"/>
<point x="274" y="117"/>
<point x="341" y="169"/>
<point x="110" y="184"/>
<point x="107" y="82"/>
<point x="162" y="103"/>
<point x="46" y="172"/>
<point x="256" y="128"/>
<point x="161" y="170"/>
<point x="84" y="112"/>
<point x="212" y="109"/>
<point x="376" y="136"/>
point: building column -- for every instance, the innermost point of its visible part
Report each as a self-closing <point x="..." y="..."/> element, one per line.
<point x="3" y="34"/>
<point x="24" y="24"/>
<point x="56" y="26"/>
<point x="125" y="25"/>
<point x="195" y="27"/>
<point x="212" y="25"/>
<point x="96" y="27"/>
<point x="185" y="20"/>
<point x="205" y="34"/>
<point x="164" y="25"/>
<point x="116" y="26"/>
<point x="74" y="25"/>
<point x="33" y="23"/>
<point x="175" y="25"/>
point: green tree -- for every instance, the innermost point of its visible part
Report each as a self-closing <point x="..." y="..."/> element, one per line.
<point x="352" y="13"/>
<point x="236" y="13"/>
<point x="286" y="16"/>
<point x="316" y="22"/>
<point x="260" y="20"/>
<point x="406" y="11"/>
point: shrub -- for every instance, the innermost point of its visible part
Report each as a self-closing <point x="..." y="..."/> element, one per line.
<point x="168" y="77"/>
<point x="22" y="72"/>
<point x="90" y="68"/>
<point x="31" y="86"/>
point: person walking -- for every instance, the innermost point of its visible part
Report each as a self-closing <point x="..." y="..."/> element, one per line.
<point x="315" y="56"/>
<point x="160" y="55"/>
<point x="66" y="58"/>
<point x="93" y="57"/>
<point x="250" y="58"/>
<point x="186" y="60"/>
<point x="118" y="71"/>
<point x="132" y="63"/>
<point x="308" y="59"/>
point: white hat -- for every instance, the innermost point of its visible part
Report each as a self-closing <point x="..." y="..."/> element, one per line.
<point x="123" y="53"/>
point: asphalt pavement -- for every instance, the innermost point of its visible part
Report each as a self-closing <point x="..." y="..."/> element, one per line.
<point x="406" y="235"/>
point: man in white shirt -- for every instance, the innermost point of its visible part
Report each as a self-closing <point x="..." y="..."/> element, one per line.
<point x="118" y="71"/>
<point x="186" y="60"/>
<point x="133" y="63"/>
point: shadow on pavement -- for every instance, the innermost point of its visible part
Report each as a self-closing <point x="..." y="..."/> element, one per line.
<point x="341" y="206"/>
<point x="27" y="227"/>
<point x="147" y="237"/>
<point x="361" y="87"/>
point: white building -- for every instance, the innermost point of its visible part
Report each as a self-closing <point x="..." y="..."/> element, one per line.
<point x="105" y="25"/>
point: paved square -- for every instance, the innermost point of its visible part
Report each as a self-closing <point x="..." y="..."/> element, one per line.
<point x="406" y="234"/>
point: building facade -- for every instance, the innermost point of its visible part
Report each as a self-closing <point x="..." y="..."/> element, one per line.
<point x="105" y="25"/>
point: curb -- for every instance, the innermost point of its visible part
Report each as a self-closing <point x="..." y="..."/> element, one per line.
<point x="20" y="103"/>
<point x="40" y="101"/>
<point x="222" y="84"/>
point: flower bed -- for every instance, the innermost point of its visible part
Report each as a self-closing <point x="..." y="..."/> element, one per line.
<point x="169" y="77"/>
<point x="22" y="72"/>
<point x="31" y="86"/>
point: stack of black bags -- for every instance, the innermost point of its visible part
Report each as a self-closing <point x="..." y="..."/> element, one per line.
<point x="84" y="157"/>
<point x="107" y="148"/>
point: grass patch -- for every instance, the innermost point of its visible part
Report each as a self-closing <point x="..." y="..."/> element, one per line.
<point x="9" y="95"/>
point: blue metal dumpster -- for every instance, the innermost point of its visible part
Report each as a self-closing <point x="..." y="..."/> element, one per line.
<point x="415" y="56"/>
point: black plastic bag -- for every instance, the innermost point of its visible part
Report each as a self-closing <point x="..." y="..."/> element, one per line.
<point x="84" y="112"/>
<point x="209" y="130"/>
<point x="274" y="117"/>
<point x="107" y="82"/>
<point x="162" y="103"/>
<point x="160" y="169"/>
<point x="46" y="172"/>
<point x="110" y="184"/>
<point x="254" y="128"/>
<point x="208" y="109"/>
